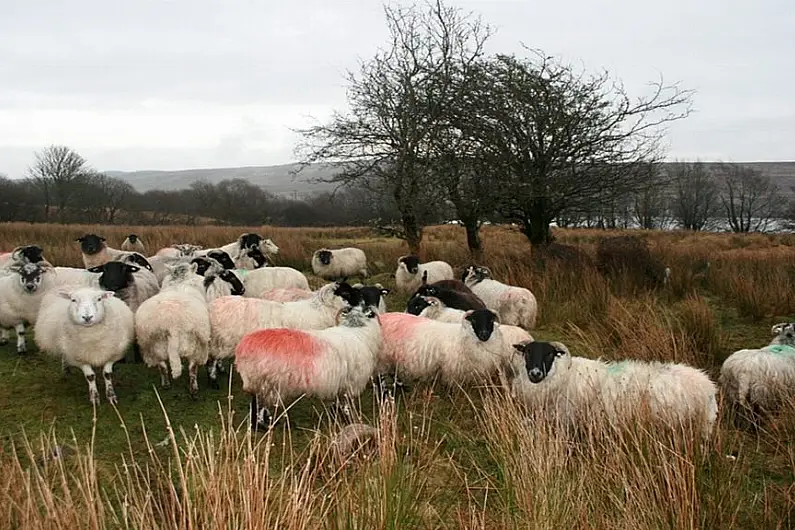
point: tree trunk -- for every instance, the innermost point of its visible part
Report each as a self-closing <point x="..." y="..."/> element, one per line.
<point x="536" y="227"/>
<point x="473" y="239"/>
<point x="413" y="232"/>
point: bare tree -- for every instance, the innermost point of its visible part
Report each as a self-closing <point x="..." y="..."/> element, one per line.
<point x="696" y="201"/>
<point x="650" y="201"/>
<point x="395" y="107"/>
<point x="564" y="137"/>
<point x="58" y="172"/>
<point x="750" y="200"/>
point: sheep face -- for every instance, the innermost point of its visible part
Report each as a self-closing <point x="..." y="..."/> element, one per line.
<point x="269" y="247"/>
<point x="259" y="258"/>
<point x="231" y="278"/>
<point x="784" y="332"/>
<point x="115" y="275"/>
<point x="28" y="254"/>
<point x="324" y="256"/>
<point x="541" y="359"/>
<point x="87" y="306"/>
<point x="249" y="240"/>
<point x="132" y="238"/>
<point x="372" y="294"/>
<point x="482" y="322"/>
<point x="30" y="276"/>
<point x="345" y="291"/>
<point x="137" y="259"/>
<point x="410" y="263"/>
<point x="223" y="258"/>
<point x="91" y="244"/>
<point x="474" y="274"/>
<point x="204" y="264"/>
<point x="418" y="304"/>
<point x="356" y="316"/>
<point x="186" y="249"/>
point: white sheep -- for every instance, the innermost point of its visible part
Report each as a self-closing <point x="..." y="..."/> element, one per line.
<point x="515" y="305"/>
<point x="95" y="251"/>
<point x="87" y="328"/>
<point x="410" y="273"/>
<point x="760" y="380"/>
<point x="417" y="348"/>
<point x="339" y="263"/>
<point x="259" y="281"/>
<point x="174" y="325"/>
<point x="133" y="243"/>
<point x="22" y="288"/>
<point x="278" y="366"/>
<point x="232" y="317"/>
<point x="577" y="391"/>
<point x="433" y="308"/>
<point x="20" y="256"/>
<point x="179" y="250"/>
<point x="239" y="250"/>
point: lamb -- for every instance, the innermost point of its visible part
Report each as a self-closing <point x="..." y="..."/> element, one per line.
<point x="22" y="288"/>
<point x="452" y="293"/>
<point x="515" y="305"/>
<point x="265" y="279"/>
<point x="417" y="348"/>
<point x="576" y="390"/>
<point x="232" y="317"/>
<point x="133" y="243"/>
<point x="87" y="328"/>
<point x="760" y="380"/>
<point x="410" y="272"/>
<point x="95" y="251"/>
<point x="278" y="366"/>
<point x="174" y="325"/>
<point x="339" y="263"/>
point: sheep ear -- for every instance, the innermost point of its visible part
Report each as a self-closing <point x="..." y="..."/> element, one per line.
<point x="102" y="238"/>
<point x="519" y="347"/>
<point x="468" y="313"/>
<point x="107" y="294"/>
<point x="778" y="328"/>
<point x="385" y="292"/>
<point x="96" y="269"/>
<point x="65" y="295"/>
<point x="378" y="286"/>
<point x="424" y="277"/>
<point x="357" y="286"/>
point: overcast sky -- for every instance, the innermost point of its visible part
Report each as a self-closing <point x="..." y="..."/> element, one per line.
<point x="175" y="84"/>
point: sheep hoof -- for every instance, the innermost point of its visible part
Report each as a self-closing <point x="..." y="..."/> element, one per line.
<point x="194" y="393"/>
<point x="220" y="367"/>
<point x="22" y="350"/>
<point x="112" y="399"/>
<point x="93" y="397"/>
<point x="214" y="384"/>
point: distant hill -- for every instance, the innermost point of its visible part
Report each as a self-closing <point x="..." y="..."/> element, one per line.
<point x="278" y="180"/>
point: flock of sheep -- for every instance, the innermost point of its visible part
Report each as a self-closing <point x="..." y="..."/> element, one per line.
<point x="195" y="306"/>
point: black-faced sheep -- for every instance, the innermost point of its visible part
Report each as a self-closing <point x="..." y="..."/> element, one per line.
<point x="411" y="274"/>
<point x="339" y="263"/>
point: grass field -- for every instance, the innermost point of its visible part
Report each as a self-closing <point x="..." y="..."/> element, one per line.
<point x="441" y="459"/>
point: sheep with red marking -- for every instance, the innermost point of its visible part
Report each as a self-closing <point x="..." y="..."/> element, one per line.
<point x="279" y="365"/>
<point x="515" y="305"/>
<point x="759" y="380"/>
<point x="411" y="274"/>
<point x="418" y="348"/>
<point x="232" y="317"/>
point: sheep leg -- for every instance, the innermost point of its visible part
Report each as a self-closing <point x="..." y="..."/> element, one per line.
<point x="193" y="384"/>
<point x="260" y="417"/>
<point x="107" y="375"/>
<point x="165" y="376"/>
<point x="212" y="373"/>
<point x="4" y="336"/>
<point x="219" y="365"/>
<point x="22" y="345"/>
<point x="93" y="393"/>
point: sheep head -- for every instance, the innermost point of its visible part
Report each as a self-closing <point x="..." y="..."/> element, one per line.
<point x="541" y="359"/>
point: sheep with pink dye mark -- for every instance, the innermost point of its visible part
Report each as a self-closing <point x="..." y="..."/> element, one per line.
<point x="515" y="305"/>
<point x="280" y="365"/>
<point x="417" y="348"/>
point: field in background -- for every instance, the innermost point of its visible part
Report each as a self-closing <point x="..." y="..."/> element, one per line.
<point x="465" y="460"/>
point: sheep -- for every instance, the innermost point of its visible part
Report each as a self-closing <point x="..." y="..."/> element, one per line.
<point x="576" y="391"/>
<point x="452" y="293"/>
<point x="22" y="288"/>
<point x="760" y="380"/>
<point x="410" y="272"/>
<point x="95" y="251"/>
<point x="136" y="258"/>
<point x="373" y="295"/>
<point x="232" y="317"/>
<point x="433" y="308"/>
<point x="179" y="250"/>
<point x="286" y="295"/>
<point x="21" y="255"/>
<point x="279" y="365"/>
<point x="265" y="279"/>
<point x="130" y="283"/>
<point x="515" y="305"/>
<point x="133" y="243"/>
<point x="87" y="328"/>
<point x="417" y="348"/>
<point x="240" y="250"/>
<point x="339" y="263"/>
<point x="174" y="325"/>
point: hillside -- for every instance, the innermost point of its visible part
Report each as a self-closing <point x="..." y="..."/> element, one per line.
<point x="278" y="180"/>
